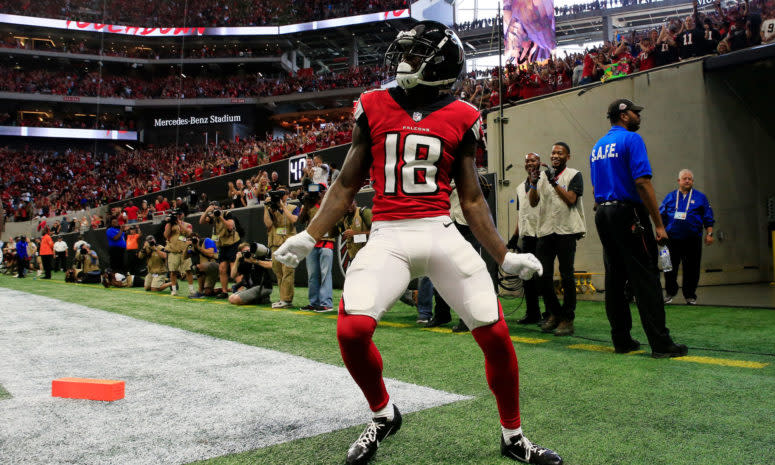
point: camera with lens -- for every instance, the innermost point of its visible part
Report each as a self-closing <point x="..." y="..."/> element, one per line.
<point x="83" y="250"/>
<point x="194" y="240"/>
<point x="172" y="218"/>
<point x="217" y="213"/>
<point x="274" y="199"/>
<point x="259" y="251"/>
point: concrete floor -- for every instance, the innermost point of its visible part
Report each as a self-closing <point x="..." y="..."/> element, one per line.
<point x="760" y="295"/>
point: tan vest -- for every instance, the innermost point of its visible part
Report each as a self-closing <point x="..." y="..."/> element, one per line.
<point x="359" y="225"/>
<point x="174" y="243"/>
<point x="281" y="229"/>
<point x="225" y="237"/>
<point x="155" y="263"/>
<point x="529" y="216"/>
<point x="556" y="216"/>
<point x="86" y="263"/>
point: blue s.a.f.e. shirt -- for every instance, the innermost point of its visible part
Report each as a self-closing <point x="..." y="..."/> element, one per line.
<point x="616" y="161"/>
<point x="697" y="210"/>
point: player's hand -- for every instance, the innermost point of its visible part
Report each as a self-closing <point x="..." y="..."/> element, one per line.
<point x="295" y="249"/>
<point x="525" y="265"/>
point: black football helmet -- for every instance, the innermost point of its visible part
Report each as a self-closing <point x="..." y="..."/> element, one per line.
<point x="439" y="48"/>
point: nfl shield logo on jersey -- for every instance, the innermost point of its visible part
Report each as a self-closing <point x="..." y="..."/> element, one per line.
<point x="417" y="116"/>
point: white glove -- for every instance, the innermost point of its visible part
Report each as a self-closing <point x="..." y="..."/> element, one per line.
<point x="295" y="249"/>
<point x="523" y="264"/>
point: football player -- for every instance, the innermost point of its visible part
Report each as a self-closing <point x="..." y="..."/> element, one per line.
<point x="413" y="141"/>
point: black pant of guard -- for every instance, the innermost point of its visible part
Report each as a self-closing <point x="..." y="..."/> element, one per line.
<point x="631" y="255"/>
<point x="689" y="253"/>
<point x="563" y="247"/>
<point x="116" y="255"/>
<point x="133" y="263"/>
<point x="60" y="261"/>
<point x="533" y="312"/>
<point x="48" y="263"/>
<point x="441" y="310"/>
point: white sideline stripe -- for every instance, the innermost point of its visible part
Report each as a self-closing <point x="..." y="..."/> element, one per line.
<point x="188" y="396"/>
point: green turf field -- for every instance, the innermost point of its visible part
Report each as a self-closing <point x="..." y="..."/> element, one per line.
<point x="592" y="406"/>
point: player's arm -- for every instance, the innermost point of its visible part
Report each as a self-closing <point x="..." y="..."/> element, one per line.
<point x="475" y="208"/>
<point x="338" y="198"/>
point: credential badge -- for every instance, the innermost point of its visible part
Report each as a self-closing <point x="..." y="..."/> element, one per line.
<point x="417" y="116"/>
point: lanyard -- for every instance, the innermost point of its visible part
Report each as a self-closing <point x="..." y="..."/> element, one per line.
<point x="688" y="201"/>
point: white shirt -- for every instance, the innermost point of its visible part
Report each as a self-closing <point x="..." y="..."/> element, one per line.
<point x="320" y="174"/>
<point x="78" y="244"/>
<point x="60" y="246"/>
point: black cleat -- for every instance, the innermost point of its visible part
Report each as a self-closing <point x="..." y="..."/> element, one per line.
<point x="521" y="449"/>
<point x="362" y="450"/>
<point x="435" y="322"/>
<point x="631" y="346"/>
<point x="674" y="350"/>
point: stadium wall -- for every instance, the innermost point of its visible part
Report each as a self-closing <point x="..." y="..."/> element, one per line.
<point x="692" y="119"/>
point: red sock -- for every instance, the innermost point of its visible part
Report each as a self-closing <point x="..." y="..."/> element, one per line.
<point x="361" y="356"/>
<point x="500" y="363"/>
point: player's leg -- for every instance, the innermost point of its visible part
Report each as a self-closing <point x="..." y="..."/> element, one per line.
<point x="461" y="277"/>
<point x="374" y="281"/>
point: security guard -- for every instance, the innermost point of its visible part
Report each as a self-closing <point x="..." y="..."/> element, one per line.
<point x="624" y="197"/>
<point x="279" y="221"/>
<point x="686" y="212"/>
<point x="527" y="230"/>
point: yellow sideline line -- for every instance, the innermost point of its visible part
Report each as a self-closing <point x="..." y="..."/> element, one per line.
<point x="528" y="340"/>
<point x="721" y="361"/>
<point x="687" y="358"/>
<point x="596" y="348"/>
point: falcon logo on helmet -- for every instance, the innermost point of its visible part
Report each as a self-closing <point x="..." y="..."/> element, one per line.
<point x="435" y="48"/>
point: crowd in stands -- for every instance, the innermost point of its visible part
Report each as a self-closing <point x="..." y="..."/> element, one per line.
<point x="716" y="31"/>
<point x="80" y="82"/>
<point x="42" y="183"/>
<point x="598" y="5"/>
<point x="198" y="13"/>
<point x="148" y="51"/>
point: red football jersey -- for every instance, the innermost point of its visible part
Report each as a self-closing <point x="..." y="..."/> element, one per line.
<point x="413" y="151"/>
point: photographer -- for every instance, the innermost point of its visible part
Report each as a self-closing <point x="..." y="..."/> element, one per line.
<point x="207" y="267"/>
<point x="109" y="278"/>
<point x="279" y="221"/>
<point x="226" y="238"/>
<point x="155" y="261"/>
<point x="116" y="244"/>
<point x="86" y="266"/>
<point x="320" y="260"/>
<point x="249" y="271"/>
<point x="356" y="225"/>
<point x="177" y="233"/>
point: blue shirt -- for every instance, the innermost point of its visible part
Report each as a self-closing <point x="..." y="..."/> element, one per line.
<point x="21" y="250"/>
<point x="121" y="242"/>
<point x="210" y="244"/>
<point x="616" y="161"/>
<point x="699" y="215"/>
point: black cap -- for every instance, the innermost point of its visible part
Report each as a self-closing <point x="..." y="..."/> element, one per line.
<point x="620" y="106"/>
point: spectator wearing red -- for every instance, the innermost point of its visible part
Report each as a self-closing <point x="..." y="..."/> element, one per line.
<point x="131" y="211"/>
<point x="162" y="205"/>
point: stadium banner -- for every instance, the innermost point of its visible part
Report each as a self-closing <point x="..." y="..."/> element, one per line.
<point x="528" y="30"/>
<point x="65" y="133"/>
<point x="202" y="31"/>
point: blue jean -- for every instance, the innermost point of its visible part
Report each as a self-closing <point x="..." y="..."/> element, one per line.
<point x="425" y="298"/>
<point x="319" y="268"/>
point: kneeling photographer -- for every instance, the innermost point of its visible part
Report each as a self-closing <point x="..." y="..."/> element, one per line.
<point x="156" y="264"/>
<point x="226" y="236"/>
<point x="279" y="221"/>
<point x="86" y="267"/>
<point x="253" y="283"/>
<point x="109" y="278"/>
<point x="177" y="233"/>
<point x="207" y="265"/>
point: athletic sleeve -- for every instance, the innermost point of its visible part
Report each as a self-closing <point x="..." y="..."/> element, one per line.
<point x="577" y="184"/>
<point x="639" y="160"/>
